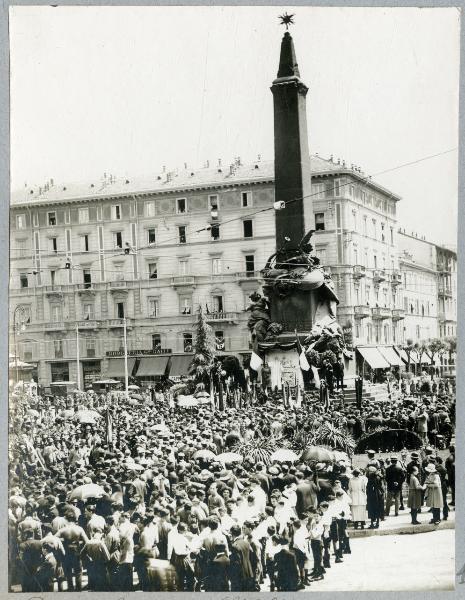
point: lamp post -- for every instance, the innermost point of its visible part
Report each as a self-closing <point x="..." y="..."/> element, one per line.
<point x="16" y="326"/>
<point x="126" y="375"/>
<point x="78" y="361"/>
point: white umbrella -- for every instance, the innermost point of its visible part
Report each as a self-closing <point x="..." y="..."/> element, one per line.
<point x="133" y="387"/>
<point x="284" y="455"/>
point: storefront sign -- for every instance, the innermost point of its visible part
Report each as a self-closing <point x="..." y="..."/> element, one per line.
<point x="151" y="351"/>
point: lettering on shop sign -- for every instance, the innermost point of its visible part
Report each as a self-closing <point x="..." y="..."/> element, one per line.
<point x="151" y="351"/>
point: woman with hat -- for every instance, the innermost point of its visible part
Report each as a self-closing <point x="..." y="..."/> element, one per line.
<point x="415" y="490"/>
<point x="433" y="494"/>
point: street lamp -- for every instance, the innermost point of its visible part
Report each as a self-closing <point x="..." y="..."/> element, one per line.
<point x="17" y="327"/>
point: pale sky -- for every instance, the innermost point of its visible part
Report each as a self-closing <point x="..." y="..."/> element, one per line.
<point x="126" y="90"/>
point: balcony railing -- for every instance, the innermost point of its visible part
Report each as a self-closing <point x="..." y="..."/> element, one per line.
<point x="55" y="326"/>
<point x="361" y="311"/>
<point x="88" y="324"/>
<point x="445" y="291"/>
<point x="379" y="276"/>
<point x="221" y="316"/>
<point x="396" y="278"/>
<point x="398" y="314"/>
<point x="246" y="275"/>
<point x="381" y="313"/>
<point x="117" y="323"/>
<point x="359" y="271"/>
<point x="183" y="280"/>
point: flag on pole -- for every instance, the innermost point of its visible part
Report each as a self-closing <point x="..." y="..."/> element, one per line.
<point x="316" y="377"/>
<point x="255" y="361"/>
<point x="303" y="362"/>
<point x="109" y="427"/>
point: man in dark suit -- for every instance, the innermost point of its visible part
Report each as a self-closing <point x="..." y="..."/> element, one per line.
<point x="287" y="572"/>
<point x="306" y="491"/>
<point x="241" y="574"/>
<point x="218" y="571"/>
<point x="394" y="478"/>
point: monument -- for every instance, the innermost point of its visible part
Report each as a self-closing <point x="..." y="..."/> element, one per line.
<point x="298" y="305"/>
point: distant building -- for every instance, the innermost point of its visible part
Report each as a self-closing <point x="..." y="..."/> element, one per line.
<point x="185" y="258"/>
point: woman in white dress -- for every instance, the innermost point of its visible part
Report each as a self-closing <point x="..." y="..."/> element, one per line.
<point x="358" y="495"/>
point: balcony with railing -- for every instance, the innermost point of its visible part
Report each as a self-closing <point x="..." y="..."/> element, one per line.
<point x="380" y="313"/>
<point x="359" y="271"/>
<point x="445" y="290"/>
<point x="379" y="276"/>
<point x="117" y="323"/>
<point x="396" y="278"/>
<point x="221" y="316"/>
<point x="181" y="280"/>
<point x="361" y="311"/>
<point x="55" y="326"/>
<point x="88" y="324"/>
<point x="248" y="276"/>
<point x="398" y="314"/>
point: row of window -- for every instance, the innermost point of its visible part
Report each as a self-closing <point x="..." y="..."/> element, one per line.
<point x="117" y="271"/>
<point x="378" y="334"/>
<point x="151" y="239"/>
<point x="116" y="211"/>
<point x="337" y="189"/>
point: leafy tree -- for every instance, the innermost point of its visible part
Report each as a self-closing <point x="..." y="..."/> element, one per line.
<point x="204" y="350"/>
<point x="409" y="347"/>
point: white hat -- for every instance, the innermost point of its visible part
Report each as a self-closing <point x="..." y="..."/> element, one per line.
<point x="430" y="468"/>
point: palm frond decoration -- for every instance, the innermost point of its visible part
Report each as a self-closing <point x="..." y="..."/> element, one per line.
<point x="257" y="449"/>
<point x="326" y="435"/>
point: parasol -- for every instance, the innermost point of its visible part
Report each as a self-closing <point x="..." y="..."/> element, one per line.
<point x="318" y="454"/>
<point x="133" y="387"/>
<point x="33" y="413"/>
<point x="159" y="427"/>
<point x="284" y="455"/>
<point x="87" y="416"/>
<point x="229" y="457"/>
<point x="187" y="401"/>
<point x="204" y="454"/>
<point x="88" y="490"/>
<point x="338" y="456"/>
<point x="132" y="466"/>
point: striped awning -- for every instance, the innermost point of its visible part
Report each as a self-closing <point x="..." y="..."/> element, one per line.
<point x="392" y="357"/>
<point x="116" y="367"/>
<point x="152" y="366"/>
<point x="404" y="357"/>
<point x="179" y="365"/>
<point x="374" y="358"/>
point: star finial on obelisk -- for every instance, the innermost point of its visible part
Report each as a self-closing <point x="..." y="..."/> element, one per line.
<point x="286" y="20"/>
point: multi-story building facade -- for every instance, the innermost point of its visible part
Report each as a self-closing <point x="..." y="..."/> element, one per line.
<point x="447" y="291"/>
<point x="153" y="251"/>
<point x="418" y="265"/>
<point x="429" y="281"/>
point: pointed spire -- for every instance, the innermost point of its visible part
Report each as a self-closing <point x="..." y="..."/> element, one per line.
<point x="288" y="66"/>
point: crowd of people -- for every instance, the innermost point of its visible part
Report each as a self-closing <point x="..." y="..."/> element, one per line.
<point x="112" y="495"/>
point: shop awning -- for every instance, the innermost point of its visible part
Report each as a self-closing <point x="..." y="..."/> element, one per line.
<point x="152" y="366"/>
<point x="404" y="357"/>
<point x="374" y="358"/>
<point x="116" y="367"/>
<point x="392" y="357"/>
<point x="179" y="365"/>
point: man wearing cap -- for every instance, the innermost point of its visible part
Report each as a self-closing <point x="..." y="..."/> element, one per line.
<point x="394" y="479"/>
